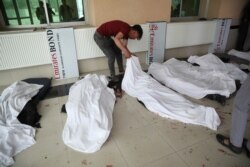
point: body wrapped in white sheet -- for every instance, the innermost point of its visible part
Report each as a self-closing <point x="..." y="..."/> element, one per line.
<point x="14" y="136"/>
<point x="89" y="114"/>
<point x="190" y="80"/>
<point x="213" y="63"/>
<point x="242" y="55"/>
<point x="163" y="101"/>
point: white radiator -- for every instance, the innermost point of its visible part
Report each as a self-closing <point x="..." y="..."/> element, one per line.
<point x="31" y="48"/>
<point x="85" y="44"/>
<point x="23" y="50"/>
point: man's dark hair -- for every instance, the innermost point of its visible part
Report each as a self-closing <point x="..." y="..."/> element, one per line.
<point x="138" y="28"/>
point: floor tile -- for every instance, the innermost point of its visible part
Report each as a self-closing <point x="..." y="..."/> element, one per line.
<point x="172" y="160"/>
<point x="50" y="111"/>
<point x="48" y="151"/>
<point x="142" y="145"/>
<point x="127" y="116"/>
<point x="107" y="156"/>
<point x="180" y="135"/>
<point x="210" y="153"/>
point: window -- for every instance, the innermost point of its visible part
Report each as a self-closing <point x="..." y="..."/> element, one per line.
<point x="185" y="8"/>
<point x="35" y="12"/>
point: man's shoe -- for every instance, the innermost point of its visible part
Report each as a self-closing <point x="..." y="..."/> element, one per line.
<point x="225" y="141"/>
<point x="114" y="78"/>
<point x="118" y="93"/>
<point x="245" y="147"/>
<point x="121" y="72"/>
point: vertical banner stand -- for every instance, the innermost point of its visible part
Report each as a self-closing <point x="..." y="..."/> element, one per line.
<point x="63" y="52"/>
<point x="157" y="40"/>
<point x="221" y="35"/>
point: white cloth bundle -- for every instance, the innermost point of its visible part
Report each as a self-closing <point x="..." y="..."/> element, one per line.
<point x="190" y="80"/>
<point x="163" y="101"/>
<point x="242" y="55"/>
<point x="14" y="136"/>
<point x="212" y="62"/>
<point x="89" y="114"/>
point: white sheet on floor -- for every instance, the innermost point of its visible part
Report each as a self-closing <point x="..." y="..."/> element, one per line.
<point x="212" y="62"/>
<point x="89" y="114"/>
<point x="242" y="55"/>
<point x="190" y="80"/>
<point x="163" y="101"/>
<point x="14" y="136"/>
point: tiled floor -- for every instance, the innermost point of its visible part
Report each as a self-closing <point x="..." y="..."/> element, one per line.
<point x="138" y="138"/>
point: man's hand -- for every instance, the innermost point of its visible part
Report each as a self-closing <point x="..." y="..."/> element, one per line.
<point x="127" y="54"/>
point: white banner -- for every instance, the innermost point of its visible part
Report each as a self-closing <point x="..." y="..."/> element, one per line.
<point x="157" y="39"/>
<point x="221" y="35"/>
<point x="63" y="52"/>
